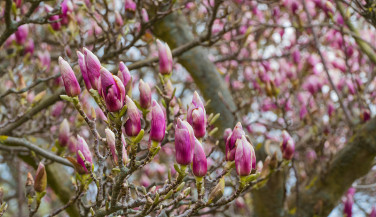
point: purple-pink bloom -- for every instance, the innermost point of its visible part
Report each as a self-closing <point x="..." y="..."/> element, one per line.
<point x="287" y="146"/>
<point x="112" y="90"/>
<point x="144" y="15"/>
<point x="21" y="34"/>
<point x="199" y="162"/>
<point x="165" y="58"/>
<point x="145" y="94"/>
<point x="110" y="137"/>
<point x="124" y="76"/>
<point x="347" y="205"/>
<point x="55" y="25"/>
<point x="158" y="123"/>
<point x="130" y="8"/>
<point x="184" y="142"/>
<point x="133" y="125"/>
<point x="82" y="64"/>
<point x="64" y="132"/>
<point x="72" y="87"/>
<point x="84" y="149"/>
<point x="93" y="67"/>
<point x="29" y="46"/>
<point x="196" y="116"/>
<point x="236" y="134"/>
<point x="244" y="157"/>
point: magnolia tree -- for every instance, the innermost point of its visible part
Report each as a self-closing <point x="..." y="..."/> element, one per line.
<point x="260" y="108"/>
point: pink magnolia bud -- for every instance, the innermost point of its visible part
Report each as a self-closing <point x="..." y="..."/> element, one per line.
<point x="145" y="94"/>
<point x="158" y="123"/>
<point x="72" y="144"/>
<point x="199" y="163"/>
<point x="57" y="109"/>
<point x="84" y="148"/>
<point x="40" y="182"/>
<point x="366" y="115"/>
<point x="21" y="34"/>
<point x="165" y="58"/>
<point x="184" y="142"/>
<point x="373" y="212"/>
<point x="82" y="64"/>
<point x="331" y="109"/>
<point x="112" y="90"/>
<point x="66" y="7"/>
<point x="244" y="157"/>
<point x="236" y="134"/>
<point x="118" y="19"/>
<point x="93" y="67"/>
<point x="125" y="76"/>
<point x="55" y="25"/>
<point x="196" y="116"/>
<point x="226" y="133"/>
<point x="144" y="15"/>
<point x="18" y="3"/>
<point x="29" y="47"/>
<point x="130" y="9"/>
<point x="110" y="137"/>
<point x="347" y="205"/>
<point x="133" y="125"/>
<point x="72" y="87"/>
<point x="287" y="146"/>
<point x="64" y="132"/>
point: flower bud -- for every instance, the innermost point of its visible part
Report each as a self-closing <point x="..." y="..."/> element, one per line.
<point x="199" y="164"/>
<point x="184" y="142"/>
<point x="244" y="157"/>
<point x="64" y="133"/>
<point x="84" y="149"/>
<point x="158" y="123"/>
<point x="110" y="137"/>
<point x="112" y="90"/>
<point x="118" y="19"/>
<point x="145" y="94"/>
<point x="72" y="87"/>
<point x="29" y="47"/>
<point x="29" y="186"/>
<point x="82" y="64"/>
<point x="165" y="58"/>
<point x="40" y="183"/>
<point x="130" y="9"/>
<point x="237" y="133"/>
<point x="196" y="116"/>
<point x="55" y="25"/>
<point x="93" y="67"/>
<point x="125" y="76"/>
<point x="287" y="146"/>
<point x="347" y="206"/>
<point x="21" y="34"/>
<point x="133" y="125"/>
<point x="144" y="15"/>
<point x="72" y="144"/>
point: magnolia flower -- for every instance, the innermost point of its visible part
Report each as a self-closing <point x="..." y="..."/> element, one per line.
<point x="199" y="163"/>
<point x="125" y="76"/>
<point x="93" y="67"/>
<point x="165" y="58"/>
<point x="82" y="64"/>
<point x="84" y="149"/>
<point x="236" y="134"/>
<point x="72" y="87"/>
<point x="287" y="146"/>
<point x="133" y="125"/>
<point x="112" y="90"/>
<point x="196" y="116"/>
<point x="158" y="123"/>
<point x="245" y="158"/>
<point x="145" y="94"/>
<point x="184" y="142"/>
<point x="64" y="133"/>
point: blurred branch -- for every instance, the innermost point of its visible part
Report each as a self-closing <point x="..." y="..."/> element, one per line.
<point x="349" y="164"/>
<point x="364" y="47"/>
<point x="12" y="141"/>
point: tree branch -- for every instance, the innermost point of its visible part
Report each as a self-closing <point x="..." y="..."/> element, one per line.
<point x="12" y="141"/>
